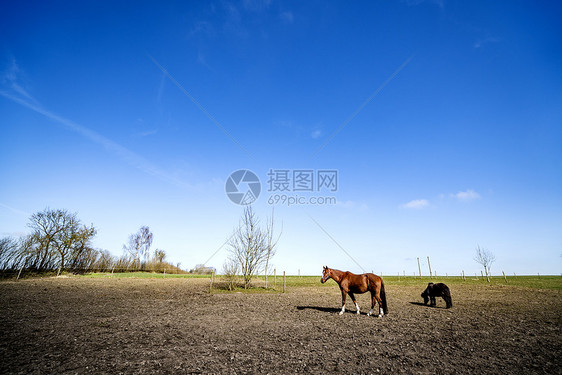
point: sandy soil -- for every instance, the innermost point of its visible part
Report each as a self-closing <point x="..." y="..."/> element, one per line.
<point x="80" y="325"/>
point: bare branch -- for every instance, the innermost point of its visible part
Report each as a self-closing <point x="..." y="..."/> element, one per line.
<point x="485" y="257"/>
<point x="251" y="246"/>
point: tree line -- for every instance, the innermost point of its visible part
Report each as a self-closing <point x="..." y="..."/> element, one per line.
<point x="59" y="242"/>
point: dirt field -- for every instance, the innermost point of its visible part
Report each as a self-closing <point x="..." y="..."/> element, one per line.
<point x="83" y="325"/>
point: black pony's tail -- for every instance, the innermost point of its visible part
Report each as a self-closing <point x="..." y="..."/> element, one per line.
<point x="383" y="298"/>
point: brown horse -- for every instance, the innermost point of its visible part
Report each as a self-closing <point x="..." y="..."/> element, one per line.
<point x="351" y="283"/>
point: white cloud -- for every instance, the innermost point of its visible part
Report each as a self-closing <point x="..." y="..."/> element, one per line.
<point x="467" y="195"/>
<point x="417" y="204"/>
<point x="316" y="134"/>
<point x="287" y="17"/>
<point x="352" y="205"/>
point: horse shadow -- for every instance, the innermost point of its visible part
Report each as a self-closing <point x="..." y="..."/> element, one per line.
<point x="319" y="308"/>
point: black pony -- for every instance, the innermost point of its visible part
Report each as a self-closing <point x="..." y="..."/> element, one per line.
<point x="437" y="290"/>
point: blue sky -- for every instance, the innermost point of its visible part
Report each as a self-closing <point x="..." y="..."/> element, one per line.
<point x="442" y="118"/>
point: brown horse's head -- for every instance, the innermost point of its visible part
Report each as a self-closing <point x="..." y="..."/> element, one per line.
<point x="325" y="274"/>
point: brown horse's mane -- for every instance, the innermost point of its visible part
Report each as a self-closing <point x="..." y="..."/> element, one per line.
<point x="338" y="273"/>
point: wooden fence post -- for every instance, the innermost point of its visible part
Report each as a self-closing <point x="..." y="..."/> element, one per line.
<point x="429" y="265"/>
<point x="212" y="279"/>
<point x="505" y="278"/>
<point x="19" y="273"/>
<point x="463" y="275"/>
<point x="419" y="267"/>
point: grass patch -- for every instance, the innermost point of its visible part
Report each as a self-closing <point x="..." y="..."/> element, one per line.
<point x="276" y="284"/>
<point x="536" y="282"/>
<point x="144" y="275"/>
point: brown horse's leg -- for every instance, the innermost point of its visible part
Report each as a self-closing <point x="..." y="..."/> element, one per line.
<point x="354" y="301"/>
<point x="343" y="296"/>
<point x="379" y="300"/>
<point x="373" y="302"/>
<point x="376" y="298"/>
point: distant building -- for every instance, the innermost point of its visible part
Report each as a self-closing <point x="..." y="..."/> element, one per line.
<point x="202" y="269"/>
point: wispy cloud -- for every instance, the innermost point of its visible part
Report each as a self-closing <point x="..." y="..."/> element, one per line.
<point x="375" y="93"/>
<point x="11" y="78"/>
<point x="487" y="40"/>
<point x="316" y="134"/>
<point x="467" y="195"/>
<point x="15" y="210"/>
<point x="201" y="59"/>
<point x="161" y="88"/>
<point x="123" y="153"/>
<point x="13" y="234"/>
<point x="416" y="204"/>
<point x="14" y="91"/>
<point x="186" y="93"/>
<point x="146" y="133"/>
<point x="438" y="3"/>
<point x="256" y="5"/>
<point x="360" y="206"/>
<point x="286" y="17"/>
<point x="202" y="28"/>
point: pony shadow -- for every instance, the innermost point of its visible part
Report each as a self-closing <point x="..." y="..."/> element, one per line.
<point x="423" y="304"/>
<point x="319" y="308"/>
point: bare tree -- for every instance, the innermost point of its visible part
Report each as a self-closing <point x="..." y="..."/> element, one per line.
<point x="82" y="254"/>
<point x="57" y="240"/>
<point x="250" y="245"/>
<point x="271" y="242"/>
<point x="47" y="227"/>
<point x="230" y="269"/>
<point x="8" y="248"/>
<point x="139" y="244"/>
<point x="104" y="261"/>
<point x="485" y="257"/>
<point x="65" y="240"/>
<point x="159" y="255"/>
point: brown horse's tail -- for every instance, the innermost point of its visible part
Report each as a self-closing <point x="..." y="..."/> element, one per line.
<point x="383" y="298"/>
